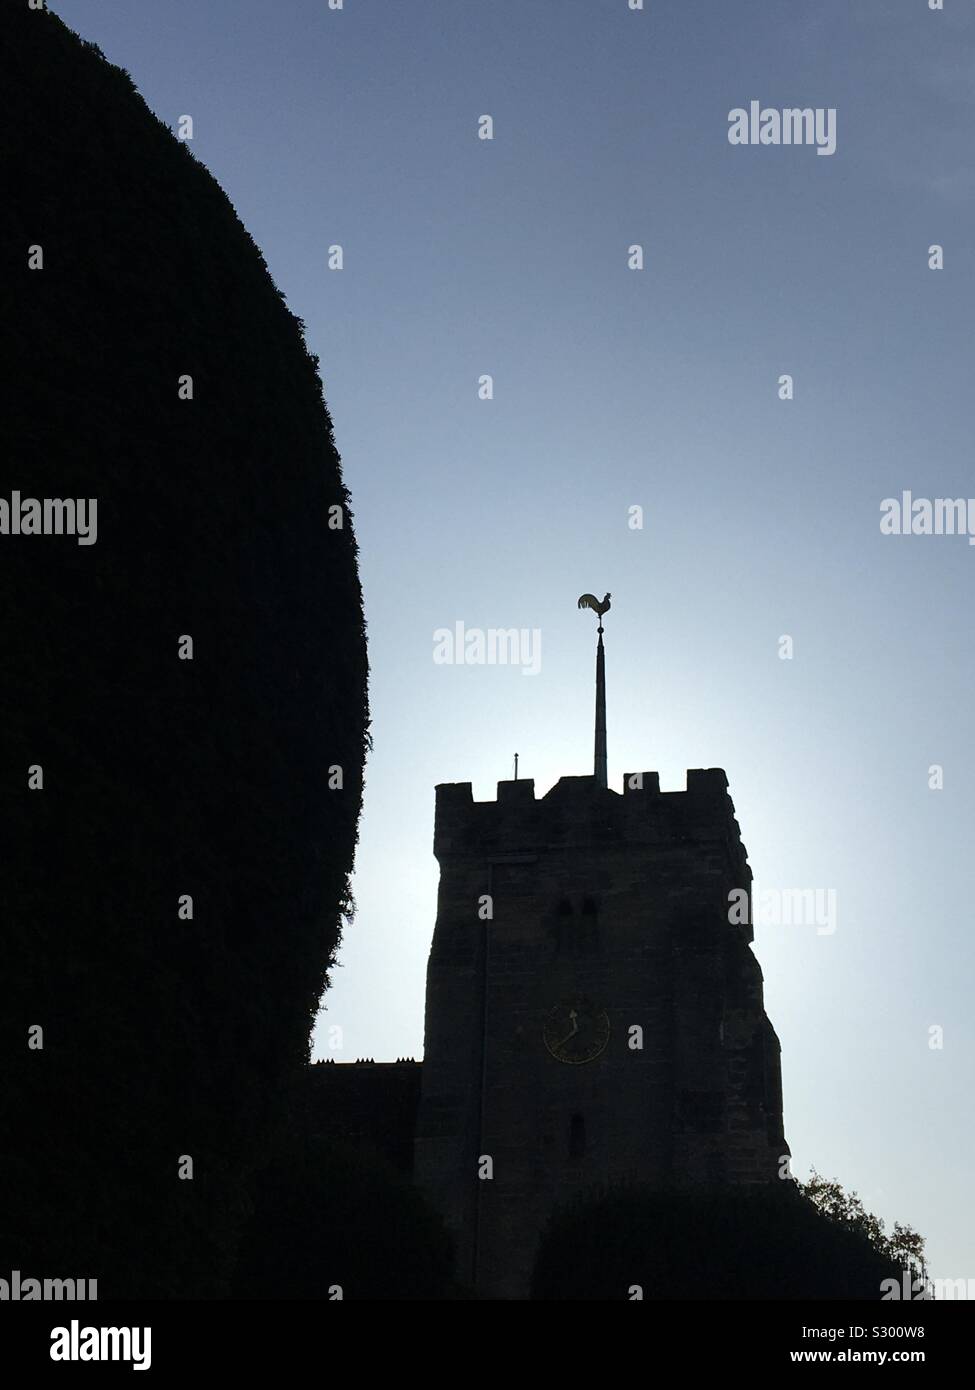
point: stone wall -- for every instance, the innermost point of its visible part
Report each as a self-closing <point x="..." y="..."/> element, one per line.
<point x="367" y="1104"/>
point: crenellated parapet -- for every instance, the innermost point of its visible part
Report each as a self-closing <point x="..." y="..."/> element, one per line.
<point x="577" y="814"/>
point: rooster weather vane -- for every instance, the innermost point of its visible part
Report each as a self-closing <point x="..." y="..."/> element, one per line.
<point x="591" y="601"/>
<point x="599" y="760"/>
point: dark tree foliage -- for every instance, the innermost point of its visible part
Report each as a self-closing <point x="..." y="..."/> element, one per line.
<point x="162" y="776"/>
<point x="904" y="1247"/>
<point x="729" y="1243"/>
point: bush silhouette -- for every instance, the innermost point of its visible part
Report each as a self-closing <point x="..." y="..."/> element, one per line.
<point x="728" y="1243"/>
<point x="217" y="519"/>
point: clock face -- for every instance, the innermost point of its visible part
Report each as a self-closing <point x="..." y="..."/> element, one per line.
<point x="576" y="1031"/>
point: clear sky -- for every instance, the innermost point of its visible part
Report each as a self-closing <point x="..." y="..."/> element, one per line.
<point x="616" y="388"/>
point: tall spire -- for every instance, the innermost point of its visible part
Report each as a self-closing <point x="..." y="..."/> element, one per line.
<point x="600" y="752"/>
<point x="599" y="762"/>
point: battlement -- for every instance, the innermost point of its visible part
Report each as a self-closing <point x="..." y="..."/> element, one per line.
<point x="710" y="781"/>
<point x="577" y="813"/>
<point x="365" y="1062"/>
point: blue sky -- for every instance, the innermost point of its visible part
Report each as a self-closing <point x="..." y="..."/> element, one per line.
<point x="657" y="388"/>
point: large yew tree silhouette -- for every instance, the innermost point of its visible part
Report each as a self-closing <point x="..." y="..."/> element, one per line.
<point x="222" y="518"/>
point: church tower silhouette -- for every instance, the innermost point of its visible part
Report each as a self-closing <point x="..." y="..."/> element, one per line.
<point x="594" y="1014"/>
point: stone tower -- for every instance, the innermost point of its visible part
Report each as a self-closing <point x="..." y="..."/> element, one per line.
<point x="592" y="1016"/>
